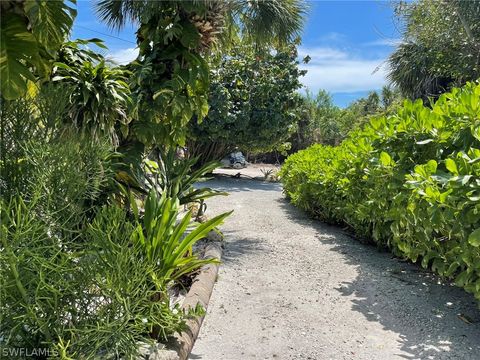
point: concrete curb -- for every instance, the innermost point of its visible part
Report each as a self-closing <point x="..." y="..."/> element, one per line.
<point x="200" y="293"/>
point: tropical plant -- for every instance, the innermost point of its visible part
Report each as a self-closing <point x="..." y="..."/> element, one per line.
<point x="99" y="96"/>
<point x="267" y="173"/>
<point x="91" y="299"/>
<point x="261" y="21"/>
<point x="270" y="174"/>
<point x="171" y="76"/>
<point x="36" y="276"/>
<point x="175" y="177"/>
<point x="42" y="155"/>
<point x="78" y="51"/>
<point x="31" y="32"/>
<point x="51" y="180"/>
<point x="162" y="243"/>
<point x="166" y="241"/>
<point x="409" y="181"/>
<point x="389" y="97"/>
<point x="80" y="276"/>
<point x="323" y="122"/>
<point x="319" y="122"/>
<point x="440" y="47"/>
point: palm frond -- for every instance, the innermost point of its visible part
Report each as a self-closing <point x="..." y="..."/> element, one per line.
<point x="272" y="20"/>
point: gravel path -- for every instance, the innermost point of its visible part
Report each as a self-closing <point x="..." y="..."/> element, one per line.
<point x="293" y="288"/>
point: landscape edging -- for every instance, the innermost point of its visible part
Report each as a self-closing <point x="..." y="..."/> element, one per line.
<point x="199" y="294"/>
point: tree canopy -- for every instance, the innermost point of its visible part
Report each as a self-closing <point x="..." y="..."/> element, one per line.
<point x="440" y="47"/>
<point x="171" y="76"/>
<point x="253" y="101"/>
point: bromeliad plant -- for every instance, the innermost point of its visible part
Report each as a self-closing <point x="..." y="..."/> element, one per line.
<point x="168" y="241"/>
<point x="171" y="176"/>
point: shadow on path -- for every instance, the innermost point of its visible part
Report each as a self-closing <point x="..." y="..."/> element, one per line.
<point x="229" y="184"/>
<point x="238" y="246"/>
<point x="434" y="319"/>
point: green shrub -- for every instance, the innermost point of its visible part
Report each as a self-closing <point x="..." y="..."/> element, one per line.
<point x="409" y="181"/>
<point x="101" y="296"/>
<point x="79" y="300"/>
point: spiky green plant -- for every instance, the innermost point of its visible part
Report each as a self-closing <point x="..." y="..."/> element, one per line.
<point x="99" y="96"/>
<point x="168" y="242"/>
<point x="176" y="177"/>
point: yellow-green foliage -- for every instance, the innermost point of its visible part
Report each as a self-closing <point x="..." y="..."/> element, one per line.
<point x="409" y="181"/>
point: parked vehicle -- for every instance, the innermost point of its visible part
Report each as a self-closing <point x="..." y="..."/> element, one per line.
<point x="235" y="160"/>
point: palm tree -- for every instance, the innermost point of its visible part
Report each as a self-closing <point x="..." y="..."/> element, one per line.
<point x="440" y="47"/>
<point x="411" y="70"/>
<point x="277" y="21"/>
<point x="171" y="75"/>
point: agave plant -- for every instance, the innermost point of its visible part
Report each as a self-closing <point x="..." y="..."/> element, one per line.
<point x="176" y="177"/>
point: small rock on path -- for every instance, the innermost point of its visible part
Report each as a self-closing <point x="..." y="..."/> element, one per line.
<point x="294" y="288"/>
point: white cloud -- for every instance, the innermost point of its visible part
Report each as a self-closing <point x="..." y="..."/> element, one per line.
<point x="332" y="37"/>
<point x="123" y="56"/>
<point x="322" y="53"/>
<point x="384" y="42"/>
<point x="337" y="71"/>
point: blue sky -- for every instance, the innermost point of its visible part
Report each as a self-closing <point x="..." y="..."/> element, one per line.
<point x="347" y="41"/>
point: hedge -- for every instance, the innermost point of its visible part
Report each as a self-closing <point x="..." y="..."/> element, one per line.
<point x="408" y="181"/>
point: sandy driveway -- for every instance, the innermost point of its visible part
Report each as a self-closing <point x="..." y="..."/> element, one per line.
<point x="293" y="288"/>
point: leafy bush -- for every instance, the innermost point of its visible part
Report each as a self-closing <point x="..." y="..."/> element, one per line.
<point x="66" y="297"/>
<point x="410" y="181"/>
<point x="31" y="33"/>
<point x="99" y="96"/>
<point x="253" y="101"/>
<point x="41" y="157"/>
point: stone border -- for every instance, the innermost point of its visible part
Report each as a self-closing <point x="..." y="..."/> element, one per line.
<point x="199" y="293"/>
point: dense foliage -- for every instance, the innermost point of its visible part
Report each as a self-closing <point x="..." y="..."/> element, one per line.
<point x="253" y="103"/>
<point x="410" y="181"/>
<point x="322" y="122"/>
<point x="440" y="46"/>
<point x="92" y="240"/>
<point x="99" y="95"/>
<point x="83" y="272"/>
<point x="170" y="80"/>
<point x="92" y="243"/>
<point x="31" y="32"/>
